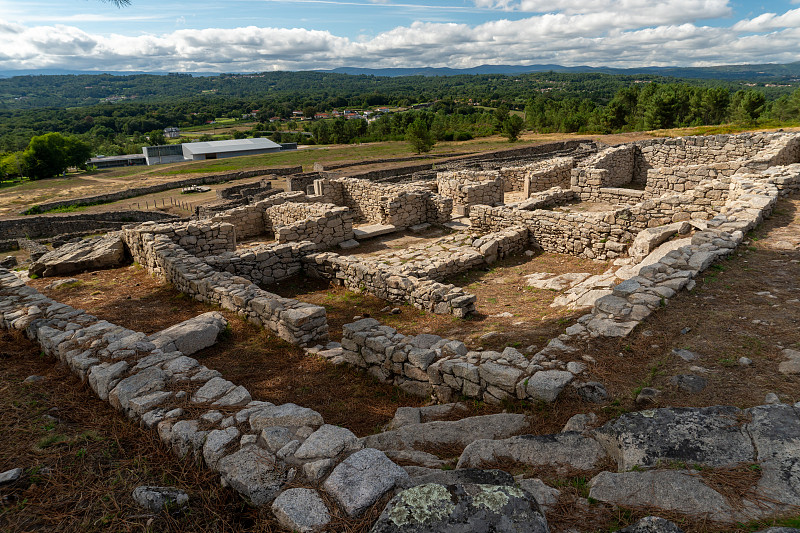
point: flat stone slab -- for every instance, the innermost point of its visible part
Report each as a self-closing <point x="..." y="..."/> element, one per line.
<point x="561" y="451"/>
<point x="301" y="510"/>
<point x="252" y="473"/>
<point x="441" y="433"/>
<point x="358" y="481"/>
<point x="708" y="436"/>
<point x="89" y="254"/>
<point x="671" y="490"/>
<point x="191" y="335"/>
<point x="435" y="508"/>
<point x="373" y="230"/>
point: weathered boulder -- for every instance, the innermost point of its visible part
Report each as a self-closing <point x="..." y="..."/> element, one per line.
<point x="546" y="385"/>
<point x="671" y="490"/>
<point x="89" y="254"/>
<point x="287" y="415"/>
<point x="301" y="510"/>
<point x="709" y="436"/>
<point x="191" y="335"/>
<point x="439" y="508"/>
<point x="327" y="442"/>
<point x="561" y="451"/>
<point x="252" y="472"/>
<point x="160" y="498"/>
<point x="358" y="481"/>
<point x="442" y="433"/>
<point x="649" y="239"/>
<point x="652" y="524"/>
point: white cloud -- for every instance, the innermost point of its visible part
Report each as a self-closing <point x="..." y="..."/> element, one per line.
<point x="770" y="21"/>
<point x="662" y="36"/>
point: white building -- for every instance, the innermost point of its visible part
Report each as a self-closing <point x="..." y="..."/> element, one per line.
<point x="231" y="148"/>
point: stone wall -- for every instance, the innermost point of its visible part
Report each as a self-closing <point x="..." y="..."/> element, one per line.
<point x="388" y="284"/>
<point x="202" y="417"/>
<point x="399" y="205"/>
<point x="265" y="264"/>
<point x="296" y="322"/>
<point x="42" y="226"/>
<point x="200" y="238"/>
<point x="705" y="150"/>
<point x="325" y="225"/>
<point x="610" y="168"/>
<point x="592" y="235"/>
<point x="468" y="188"/>
<point x="537" y="176"/>
<point x="620" y="195"/>
<point x="150" y="189"/>
<point x="251" y="220"/>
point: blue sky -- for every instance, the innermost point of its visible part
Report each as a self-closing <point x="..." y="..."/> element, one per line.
<point x="255" y="35"/>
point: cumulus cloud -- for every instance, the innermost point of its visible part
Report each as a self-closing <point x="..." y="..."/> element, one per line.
<point x="663" y="35"/>
<point x="770" y="21"/>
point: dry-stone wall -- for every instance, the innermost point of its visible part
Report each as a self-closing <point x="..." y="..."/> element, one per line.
<point x="258" y="448"/>
<point x="538" y="176"/>
<point x="676" y="165"/>
<point x="150" y="189"/>
<point x="250" y="220"/>
<point x="293" y="321"/>
<point x="401" y="206"/>
<point x="322" y="224"/>
<point x="389" y="284"/>
<point x="468" y="188"/>
<point x="199" y="238"/>
<point x="265" y="264"/>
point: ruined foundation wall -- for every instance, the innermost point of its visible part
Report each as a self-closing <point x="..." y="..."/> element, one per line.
<point x="296" y="322"/>
<point x="325" y="225"/>
<point x="467" y="188"/>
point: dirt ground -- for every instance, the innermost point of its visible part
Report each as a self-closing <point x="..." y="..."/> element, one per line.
<point x="270" y="368"/>
<point x="82" y="461"/>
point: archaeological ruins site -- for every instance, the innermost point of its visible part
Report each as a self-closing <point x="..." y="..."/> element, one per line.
<point x="656" y="214"/>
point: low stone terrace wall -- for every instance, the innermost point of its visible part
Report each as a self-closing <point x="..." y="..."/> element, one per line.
<point x="159" y="187"/>
<point x="43" y="226"/>
<point x="293" y="321"/>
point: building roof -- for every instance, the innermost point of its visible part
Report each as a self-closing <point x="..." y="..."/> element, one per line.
<point x="233" y="145"/>
<point x="115" y="158"/>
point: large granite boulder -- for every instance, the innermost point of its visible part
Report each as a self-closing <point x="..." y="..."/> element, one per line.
<point x="459" y="508"/>
<point x="88" y="254"/>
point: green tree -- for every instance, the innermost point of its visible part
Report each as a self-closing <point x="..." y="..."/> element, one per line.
<point x="12" y="165"/>
<point x="512" y="127"/>
<point x="77" y="152"/>
<point x="156" y="138"/>
<point x="46" y="156"/>
<point x="419" y="136"/>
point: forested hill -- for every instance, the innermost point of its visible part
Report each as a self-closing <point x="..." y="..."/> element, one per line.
<point x="764" y="73"/>
<point x="316" y="88"/>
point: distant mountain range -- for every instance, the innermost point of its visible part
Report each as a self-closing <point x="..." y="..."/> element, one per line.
<point x="726" y="72"/>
